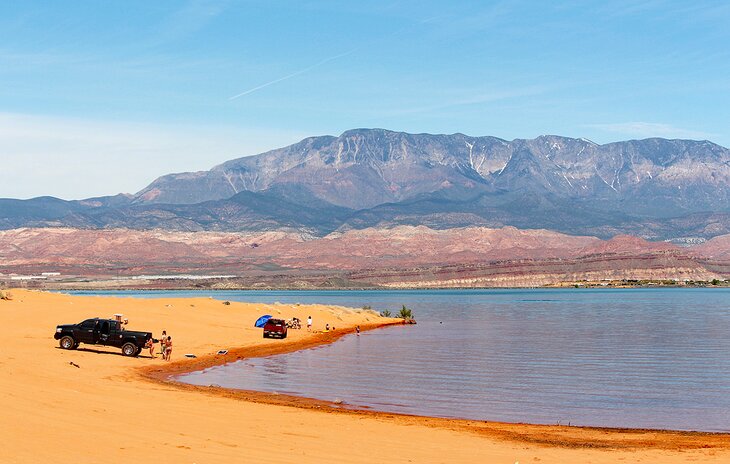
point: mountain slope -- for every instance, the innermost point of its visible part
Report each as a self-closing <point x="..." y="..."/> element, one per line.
<point x="245" y="211"/>
<point x="368" y="167"/>
<point x="654" y="188"/>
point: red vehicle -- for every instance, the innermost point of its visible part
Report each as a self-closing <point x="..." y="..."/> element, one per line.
<point x="275" y="328"/>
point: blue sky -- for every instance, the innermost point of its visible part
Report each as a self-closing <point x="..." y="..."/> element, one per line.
<point x="102" y="97"/>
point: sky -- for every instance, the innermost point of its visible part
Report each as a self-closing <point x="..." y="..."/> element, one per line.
<point x="101" y="97"/>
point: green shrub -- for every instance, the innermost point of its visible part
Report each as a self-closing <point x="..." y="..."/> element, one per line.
<point x="385" y="313"/>
<point x="405" y="313"/>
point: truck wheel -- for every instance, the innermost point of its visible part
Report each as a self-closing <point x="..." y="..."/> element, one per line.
<point x="129" y="349"/>
<point x="68" y="343"/>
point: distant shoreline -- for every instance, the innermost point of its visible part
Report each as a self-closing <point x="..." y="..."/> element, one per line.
<point x="566" y="285"/>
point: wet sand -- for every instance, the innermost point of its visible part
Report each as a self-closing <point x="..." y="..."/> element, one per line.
<point x="116" y="409"/>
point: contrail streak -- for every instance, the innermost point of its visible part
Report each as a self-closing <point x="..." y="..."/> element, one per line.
<point x="331" y="58"/>
<point x="294" y="74"/>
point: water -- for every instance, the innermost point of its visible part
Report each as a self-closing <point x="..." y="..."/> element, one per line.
<point x="640" y="358"/>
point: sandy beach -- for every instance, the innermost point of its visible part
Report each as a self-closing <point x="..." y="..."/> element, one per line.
<point x="113" y="408"/>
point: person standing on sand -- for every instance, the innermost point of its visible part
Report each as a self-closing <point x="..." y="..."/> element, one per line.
<point x="168" y="348"/>
<point x="309" y="323"/>
<point x="151" y="345"/>
<point x="163" y="338"/>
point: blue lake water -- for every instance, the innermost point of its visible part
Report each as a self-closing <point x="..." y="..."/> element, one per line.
<point x="643" y="358"/>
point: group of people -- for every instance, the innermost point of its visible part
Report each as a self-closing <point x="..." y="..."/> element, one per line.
<point x="165" y="346"/>
<point x="327" y="326"/>
<point x="166" y="340"/>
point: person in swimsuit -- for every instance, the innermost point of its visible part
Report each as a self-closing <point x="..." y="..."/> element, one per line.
<point x="357" y="329"/>
<point x="309" y="324"/>
<point x="168" y="348"/>
<point x="151" y="345"/>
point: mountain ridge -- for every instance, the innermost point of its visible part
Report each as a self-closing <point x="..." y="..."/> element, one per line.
<point x="655" y="188"/>
<point x="476" y="158"/>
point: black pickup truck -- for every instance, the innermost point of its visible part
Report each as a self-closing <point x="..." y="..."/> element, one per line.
<point x="107" y="332"/>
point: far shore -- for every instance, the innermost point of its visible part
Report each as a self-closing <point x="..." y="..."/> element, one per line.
<point x="92" y="285"/>
<point x="67" y="399"/>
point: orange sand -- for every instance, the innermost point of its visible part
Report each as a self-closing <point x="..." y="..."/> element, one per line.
<point x="109" y="410"/>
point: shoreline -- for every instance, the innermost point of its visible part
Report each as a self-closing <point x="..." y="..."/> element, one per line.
<point x="55" y="401"/>
<point x="374" y="289"/>
<point x="540" y="434"/>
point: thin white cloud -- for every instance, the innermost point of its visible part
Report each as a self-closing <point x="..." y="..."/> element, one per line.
<point x="651" y="129"/>
<point x="79" y="158"/>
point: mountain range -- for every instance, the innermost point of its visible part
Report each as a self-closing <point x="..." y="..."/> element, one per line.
<point x="372" y="178"/>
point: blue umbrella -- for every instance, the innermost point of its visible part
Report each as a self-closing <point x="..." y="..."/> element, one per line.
<point x="261" y="321"/>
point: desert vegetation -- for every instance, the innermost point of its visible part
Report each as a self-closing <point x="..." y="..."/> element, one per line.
<point x="405" y="313"/>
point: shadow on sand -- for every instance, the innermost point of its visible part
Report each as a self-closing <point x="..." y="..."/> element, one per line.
<point x="113" y="353"/>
